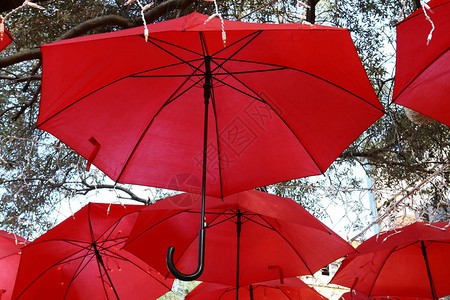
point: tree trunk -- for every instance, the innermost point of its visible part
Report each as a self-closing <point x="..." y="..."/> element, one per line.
<point x="311" y="12"/>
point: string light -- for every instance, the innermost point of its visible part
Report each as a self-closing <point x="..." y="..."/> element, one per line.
<point x="143" y="9"/>
<point x="425" y="7"/>
<point x="218" y="15"/>
<point x="3" y="19"/>
<point x="304" y="7"/>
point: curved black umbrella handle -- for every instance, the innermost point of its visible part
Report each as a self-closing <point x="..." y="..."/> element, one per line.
<point x="200" y="264"/>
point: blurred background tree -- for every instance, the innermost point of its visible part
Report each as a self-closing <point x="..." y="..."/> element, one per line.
<point x="37" y="171"/>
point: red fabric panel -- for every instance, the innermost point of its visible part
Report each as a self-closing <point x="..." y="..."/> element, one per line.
<point x="5" y="40"/>
<point x="10" y="250"/>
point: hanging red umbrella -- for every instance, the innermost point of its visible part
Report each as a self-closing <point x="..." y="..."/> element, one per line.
<point x="354" y="295"/>
<point x="181" y="111"/>
<point x="251" y="237"/>
<point x="291" y="288"/>
<point x="81" y="259"/>
<point x="408" y="262"/>
<point x="422" y="79"/>
<point x="5" y="37"/>
<point x="10" y="245"/>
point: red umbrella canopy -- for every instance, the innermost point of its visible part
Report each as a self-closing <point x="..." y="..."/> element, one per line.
<point x="354" y="295"/>
<point x="422" y="79"/>
<point x="250" y="237"/>
<point x="407" y="262"/>
<point x="5" y="38"/>
<point x="81" y="258"/>
<point x="282" y="102"/>
<point x="290" y="288"/>
<point x="10" y="245"/>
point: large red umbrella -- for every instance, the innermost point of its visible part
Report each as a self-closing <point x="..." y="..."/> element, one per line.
<point x="290" y="288"/>
<point x="422" y="79"/>
<point x="181" y="111"/>
<point x="10" y="245"/>
<point x="5" y="38"/>
<point x="284" y="101"/>
<point x="251" y="237"/>
<point x="407" y="262"/>
<point x="81" y="258"/>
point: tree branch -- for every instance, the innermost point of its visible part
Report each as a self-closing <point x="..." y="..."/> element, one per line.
<point x="6" y="5"/>
<point x="160" y="10"/>
<point x="74" y="32"/>
<point x="311" y="12"/>
<point x="20" y="57"/>
<point x="96" y="23"/>
<point x="132" y="195"/>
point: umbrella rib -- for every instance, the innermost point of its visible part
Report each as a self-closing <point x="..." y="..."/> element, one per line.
<point x="176" y="56"/>
<point x="279" y="116"/>
<point x="173" y="45"/>
<point x="290" y="245"/>
<point x="168" y="101"/>
<point x="118" y="256"/>
<point x="213" y="102"/>
<point x="78" y="272"/>
<point x="379" y="271"/>
<point x="46" y="270"/>
<point x="250" y="36"/>
<point x="98" y="256"/>
<point x="420" y="14"/>
<point x="420" y="73"/>
<point x="220" y="222"/>
<point x="102" y="279"/>
<point x="301" y="71"/>
<point x="258" y="223"/>
<point x="134" y="75"/>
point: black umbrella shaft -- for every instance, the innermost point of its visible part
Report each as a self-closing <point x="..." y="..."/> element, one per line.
<point x="430" y="279"/>
<point x="207" y="88"/>
<point x="238" y="235"/>
<point x="100" y="260"/>
<point x="251" y="292"/>
<point x="206" y="95"/>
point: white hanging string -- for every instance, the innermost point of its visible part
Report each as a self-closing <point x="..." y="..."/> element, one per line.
<point x="425" y="8"/>
<point x="402" y="11"/>
<point x="3" y="19"/>
<point x="305" y="8"/>
<point x="143" y="9"/>
<point x="218" y="15"/>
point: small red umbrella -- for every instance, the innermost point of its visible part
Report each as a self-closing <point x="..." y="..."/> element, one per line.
<point x="354" y="295"/>
<point x="290" y="288"/>
<point x="81" y="258"/>
<point x="422" y="79"/>
<point x="5" y="37"/>
<point x="10" y="245"/>
<point x="251" y="237"/>
<point x="182" y="111"/>
<point x="408" y="262"/>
